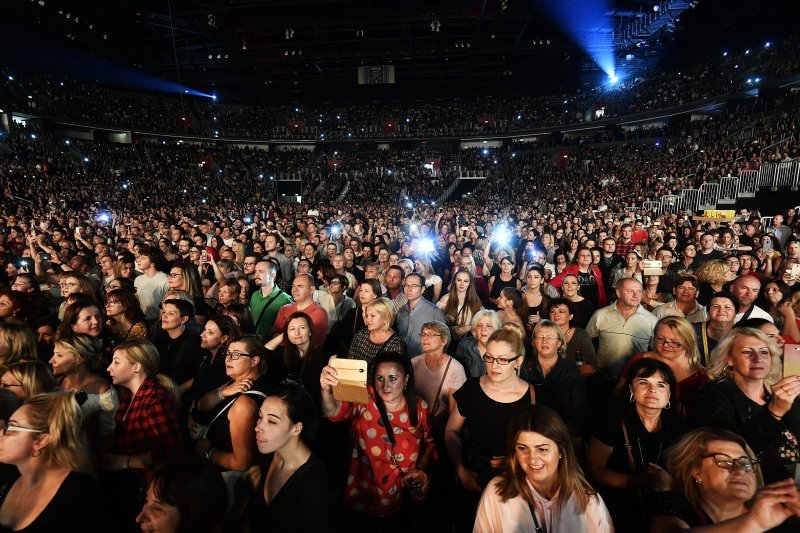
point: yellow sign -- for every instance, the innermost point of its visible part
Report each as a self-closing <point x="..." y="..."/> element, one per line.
<point x="716" y="213"/>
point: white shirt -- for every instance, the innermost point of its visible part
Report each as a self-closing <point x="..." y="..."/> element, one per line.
<point x="514" y="515"/>
<point x="757" y="313"/>
<point x="427" y="381"/>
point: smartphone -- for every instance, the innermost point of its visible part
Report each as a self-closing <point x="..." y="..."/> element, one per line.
<point x="203" y="255"/>
<point x="796" y="271"/>
<point x="45" y="257"/>
<point x="652" y="267"/>
<point x="766" y="245"/>
<point x="791" y="360"/>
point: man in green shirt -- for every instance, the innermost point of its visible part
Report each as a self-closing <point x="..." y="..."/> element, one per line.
<point x="267" y="301"/>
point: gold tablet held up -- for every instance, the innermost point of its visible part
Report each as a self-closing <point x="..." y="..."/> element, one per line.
<point x="352" y="376"/>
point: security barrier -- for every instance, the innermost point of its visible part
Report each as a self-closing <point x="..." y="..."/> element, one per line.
<point x="709" y="196"/>
<point x="728" y="190"/>
<point x="691" y="199"/>
<point x="748" y="183"/>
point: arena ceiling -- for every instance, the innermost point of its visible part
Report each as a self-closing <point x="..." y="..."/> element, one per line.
<point x="269" y="47"/>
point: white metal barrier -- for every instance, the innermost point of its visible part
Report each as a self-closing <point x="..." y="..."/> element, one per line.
<point x="655" y="207"/>
<point x="786" y="175"/>
<point x="748" y="183"/>
<point x="709" y="195"/>
<point x="766" y="222"/>
<point x="691" y="199"/>
<point x="670" y="203"/>
<point x="766" y="175"/>
<point x="728" y="190"/>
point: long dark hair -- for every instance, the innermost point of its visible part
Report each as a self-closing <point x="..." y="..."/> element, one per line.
<point x="196" y="488"/>
<point x="410" y="391"/>
<point x="130" y="304"/>
<point x="291" y="355"/>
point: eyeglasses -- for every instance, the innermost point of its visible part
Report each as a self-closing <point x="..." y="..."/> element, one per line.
<point x="174" y="274"/>
<point x="428" y="335"/>
<point x="5" y="428"/>
<point x="112" y="303"/>
<point x="744" y="463"/>
<point x="4" y="385"/>
<point x="668" y="344"/>
<point x="235" y="356"/>
<point x="249" y="263"/>
<point x="488" y="359"/>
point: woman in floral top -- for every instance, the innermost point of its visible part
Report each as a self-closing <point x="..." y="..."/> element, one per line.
<point x="387" y="467"/>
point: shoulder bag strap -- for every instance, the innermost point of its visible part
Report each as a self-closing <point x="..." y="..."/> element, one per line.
<point x="439" y="390"/>
<point x="228" y="406"/>
<point x="706" y="355"/>
<point x="264" y="309"/>
<point x="537" y="527"/>
<point x="532" y="393"/>
<point x="628" y="445"/>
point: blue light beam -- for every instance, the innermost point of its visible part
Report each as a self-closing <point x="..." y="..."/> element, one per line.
<point x="587" y="22"/>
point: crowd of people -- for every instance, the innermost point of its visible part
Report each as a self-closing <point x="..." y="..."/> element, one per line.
<point x="181" y="351"/>
<point x="714" y="73"/>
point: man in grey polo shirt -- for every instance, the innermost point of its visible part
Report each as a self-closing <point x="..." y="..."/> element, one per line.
<point x="623" y="329"/>
<point x="416" y="312"/>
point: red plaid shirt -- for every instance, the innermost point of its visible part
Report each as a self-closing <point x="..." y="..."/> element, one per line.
<point x="624" y="247"/>
<point x="151" y="424"/>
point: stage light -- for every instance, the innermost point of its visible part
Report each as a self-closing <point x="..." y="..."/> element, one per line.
<point x="103" y="217"/>
<point x="408" y="205"/>
<point x="413" y="227"/>
<point x="613" y="79"/>
<point x="125" y="186"/>
<point x="485" y="151"/>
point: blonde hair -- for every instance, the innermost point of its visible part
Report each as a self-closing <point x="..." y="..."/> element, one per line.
<point x="34" y="377"/>
<point x="143" y="352"/>
<point x="383" y="307"/>
<point x="687" y="454"/>
<point x="712" y="272"/>
<point x="58" y="414"/>
<point x="719" y="367"/>
<point x="21" y="343"/>
<point x="685" y="332"/>
<point x="480" y="315"/>
<point x="510" y="336"/>
<point x="84" y="346"/>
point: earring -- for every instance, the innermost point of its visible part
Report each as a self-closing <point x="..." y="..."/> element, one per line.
<point x="697" y="481"/>
<point x="631" y="400"/>
<point x="669" y="404"/>
<point x="36" y="453"/>
<point x="405" y="386"/>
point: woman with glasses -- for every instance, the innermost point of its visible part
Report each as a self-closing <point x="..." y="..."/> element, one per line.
<point x="479" y="415"/>
<point x="542" y="487"/>
<point x="228" y="441"/>
<point x="750" y="398"/>
<point x="719" y="487"/>
<point x="50" y="486"/>
<point x="626" y="451"/>
<point x="185" y="277"/>
<point x="26" y="379"/>
<point x="675" y="344"/>
<point x="393" y="445"/>
<point x="124" y="317"/>
<point x="558" y="377"/>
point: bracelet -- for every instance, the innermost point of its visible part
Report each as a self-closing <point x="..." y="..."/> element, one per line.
<point x="776" y="417"/>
